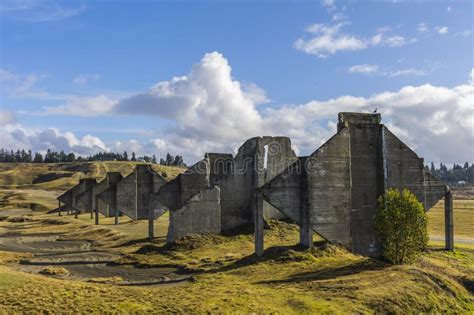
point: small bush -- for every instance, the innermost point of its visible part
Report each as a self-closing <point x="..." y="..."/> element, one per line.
<point x="401" y="224"/>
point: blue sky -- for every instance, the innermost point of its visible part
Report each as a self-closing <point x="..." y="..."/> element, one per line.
<point x="98" y="75"/>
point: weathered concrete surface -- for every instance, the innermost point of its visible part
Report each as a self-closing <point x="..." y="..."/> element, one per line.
<point x="70" y="197"/>
<point x="329" y="189"/>
<point x="105" y="205"/>
<point x="449" y="219"/>
<point x="135" y="191"/>
<point x="249" y="172"/>
<point x="336" y="189"/>
<point x="258" y="160"/>
<point x="66" y="200"/>
<point x="201" y="214"/>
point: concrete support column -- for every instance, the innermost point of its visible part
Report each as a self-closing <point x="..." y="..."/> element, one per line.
<point x="151" y="228"/>
<point x="306" y="230"/>
<point x="96" y="216"/>
<point x="116" y="217"/>
<point x="259" y="223"/>
<point x="151" y="225"/>
<point x="96" y="210"/>
<point x="74" y="208"/>
<point x="448" y="219"/>
<point x="306" y="234"/>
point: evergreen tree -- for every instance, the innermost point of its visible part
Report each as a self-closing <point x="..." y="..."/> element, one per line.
<point x="169" y="159"/>
<point x="38" y="158"/>
<point x="133" y="159"/>
<point x="71" y="157"/>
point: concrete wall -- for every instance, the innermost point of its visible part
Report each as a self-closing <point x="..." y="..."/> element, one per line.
<point x="248" y="173"/>
<point x="367" y="185"/>
<point x="85" y="204"/>
<point x="434" y="190"/>
<point x="201" y="214"/>
<point x="236" y="178"/>
<point x="329" y="189"/>
<point x="284" y="190"/>
<point x="66" y="199"/>
<point x="107" y="201"/>
<point x="134" y="192"/>
<point x="106" y="208"/>
<point x="345" y="177"/>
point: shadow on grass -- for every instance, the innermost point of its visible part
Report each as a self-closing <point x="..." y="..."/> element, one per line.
<point x="148" y="248"/>
<point x="331" y="273"/>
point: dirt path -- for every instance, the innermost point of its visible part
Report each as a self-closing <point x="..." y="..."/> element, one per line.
<point x="55" y="255"/>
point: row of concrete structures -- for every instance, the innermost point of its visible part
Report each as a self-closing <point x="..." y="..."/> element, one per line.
<point x="332" y="192"/>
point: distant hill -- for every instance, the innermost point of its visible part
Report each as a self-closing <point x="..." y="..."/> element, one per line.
<point x="62" y="176"/>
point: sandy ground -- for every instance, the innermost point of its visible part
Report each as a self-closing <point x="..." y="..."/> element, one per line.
<point x="80" y="258"/>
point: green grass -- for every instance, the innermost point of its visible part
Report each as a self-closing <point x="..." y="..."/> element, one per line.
<point x="227" y="277"/>
<point x="62" y="176"/>
<point x="463" y="219"/>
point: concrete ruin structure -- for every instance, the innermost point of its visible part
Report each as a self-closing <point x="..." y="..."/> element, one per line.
<point x="101" y="192"/>
<point x="75" y="200"/>
<point x="217" y="193"/>
<point x="334" y="191"/>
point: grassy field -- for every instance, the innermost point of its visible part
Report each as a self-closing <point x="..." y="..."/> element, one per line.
<point x="226" y="277"/>
<point x="62" y="176"/>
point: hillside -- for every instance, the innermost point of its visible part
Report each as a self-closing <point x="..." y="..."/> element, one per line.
<point x="62" y="176"/>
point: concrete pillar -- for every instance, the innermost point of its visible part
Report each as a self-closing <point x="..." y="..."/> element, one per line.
<point x="59" y="208"/>
<point x="306" y="230"/>
<point x="116" y="217"/>
<point x="97" y="216"/>
<point x="448" y="219"/>
<point x="258" y="220"/>
<point x="74" y="208"/>
<point x="151" y="227"/>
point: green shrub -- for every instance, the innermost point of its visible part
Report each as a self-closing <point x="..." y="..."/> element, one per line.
<point x="401" y="225"/>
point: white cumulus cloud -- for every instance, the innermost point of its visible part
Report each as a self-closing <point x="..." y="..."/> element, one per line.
<point x="209" y="110"/>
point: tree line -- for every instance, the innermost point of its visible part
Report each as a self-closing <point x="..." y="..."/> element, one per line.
<point x="22" y="156"/>
<point x="457" y="173"/>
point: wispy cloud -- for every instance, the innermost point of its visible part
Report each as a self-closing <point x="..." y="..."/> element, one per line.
<point x="85" y="78"/>
<point x="17" y="85"/>
<point x="407" y="72"/>
<point x="422" y="28"/>
<point x="375" y="70"/>
<point x="442" y="29"/>
<point x="323" y="40"/>
<point x="327" y="40"/>
<point x="38" y="10"/>
<point x="329" y="4"/>
<point x="365" y="68"/>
